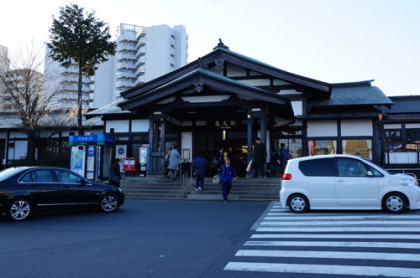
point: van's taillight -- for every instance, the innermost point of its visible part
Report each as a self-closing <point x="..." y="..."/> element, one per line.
<point x="286" y="177"/>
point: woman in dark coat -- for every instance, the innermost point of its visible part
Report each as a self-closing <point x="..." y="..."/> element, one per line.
<point x="115" y="171"/>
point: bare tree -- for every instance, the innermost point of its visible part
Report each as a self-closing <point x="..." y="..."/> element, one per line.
<point x="23" y="92"/>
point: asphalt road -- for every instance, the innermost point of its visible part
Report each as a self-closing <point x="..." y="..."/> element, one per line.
<point x="143" y="239"/>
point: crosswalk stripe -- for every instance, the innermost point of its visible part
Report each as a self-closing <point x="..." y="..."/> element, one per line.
<point x="398" y="245"/>
<point x="326" y="269"/>
<point x="341" y="229"/>
<point x="338" y="222"/>
<point x="282" y="236"/>
<point x="281" y="216"/>
<point x="330" y="255"/>
<point x="340" y="236"/>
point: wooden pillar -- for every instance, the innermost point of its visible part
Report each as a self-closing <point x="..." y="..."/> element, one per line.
<point x="250" y="155"/>
<point x="263" y="126"/>
<point x="162" y="135"/>
<point x="151" y="131"/>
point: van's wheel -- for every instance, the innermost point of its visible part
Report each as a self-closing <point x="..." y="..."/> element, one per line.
<point x="110" y="202"/>
<point x="395" y="203"/>
<point x="298" y="203"/>
<point x="19" y="209"/>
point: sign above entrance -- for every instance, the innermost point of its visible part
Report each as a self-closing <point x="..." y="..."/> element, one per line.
<point x="225" y="124"/>
<point x="98" y="139"/>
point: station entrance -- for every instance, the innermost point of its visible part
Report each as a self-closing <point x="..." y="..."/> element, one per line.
<point x="217" y="144"/>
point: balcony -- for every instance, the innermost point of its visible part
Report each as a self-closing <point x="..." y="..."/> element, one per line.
<point x="126" y="65"/>
<point x="124" y="84"/>
<point x="141" y="42"/>
<point x="140" y="71"/>
<point x="126" y="47"/>
<point x="141" y="61"/>
<point x="128" y="37"/>
<point x="125" y="74"/>
<point x="124" y="56"/>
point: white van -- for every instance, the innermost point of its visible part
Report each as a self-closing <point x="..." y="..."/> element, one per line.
<point x="345" y="182"/>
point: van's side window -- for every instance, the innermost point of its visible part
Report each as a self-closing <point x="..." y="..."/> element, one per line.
<point x="322" y="167"/>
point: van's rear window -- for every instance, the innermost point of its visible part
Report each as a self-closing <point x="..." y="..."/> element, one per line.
<point x="322" y="167"/>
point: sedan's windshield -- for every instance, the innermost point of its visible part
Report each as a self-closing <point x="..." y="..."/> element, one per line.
<point x="5" y="174"/>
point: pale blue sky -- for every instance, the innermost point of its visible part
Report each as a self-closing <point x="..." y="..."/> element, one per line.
<point x="327" y="40"/>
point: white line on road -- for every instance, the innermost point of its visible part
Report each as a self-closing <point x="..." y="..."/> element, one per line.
<point x="281" y="216"/>
<point x="330" y="255"/>
<point x="326" y="269"/>
<point x="340" y="236"/>
<point x="409" y="245"/>
<point x="342" y="229"/>
<point x="338" y="222"/>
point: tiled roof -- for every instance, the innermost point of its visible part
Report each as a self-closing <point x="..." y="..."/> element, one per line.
<point x="354" y="96"/>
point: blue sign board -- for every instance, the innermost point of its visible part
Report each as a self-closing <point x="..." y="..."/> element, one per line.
<point x="97" y="139"/>
<point x="91" y="150"/>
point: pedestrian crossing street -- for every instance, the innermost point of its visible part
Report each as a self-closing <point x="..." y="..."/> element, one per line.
<point x="364" y="244"/>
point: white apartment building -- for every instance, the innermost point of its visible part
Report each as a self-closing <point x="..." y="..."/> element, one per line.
<point x="65" y="80"/>
<point x="145" y="53"/>
<point x="4" y="60"/>
<point x="4" y="67"/>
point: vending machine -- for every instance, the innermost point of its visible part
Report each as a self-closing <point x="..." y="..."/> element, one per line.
<point x="77" y="159"/>
<point x="143" y="159"/>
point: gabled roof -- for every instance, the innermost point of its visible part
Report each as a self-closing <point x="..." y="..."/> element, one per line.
<point x="229" y="56"/>
<point x="210" y="79"/>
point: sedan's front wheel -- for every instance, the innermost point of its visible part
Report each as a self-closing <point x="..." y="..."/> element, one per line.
<point x="19" y="209"/>
<point x="110" y="202"/>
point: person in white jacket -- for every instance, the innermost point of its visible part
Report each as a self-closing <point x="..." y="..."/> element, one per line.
<point x="173" y="166"/>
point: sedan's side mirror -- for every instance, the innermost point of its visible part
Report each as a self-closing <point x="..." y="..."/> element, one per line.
<point x="369" y="174"/>
<point x="82" y="182"/>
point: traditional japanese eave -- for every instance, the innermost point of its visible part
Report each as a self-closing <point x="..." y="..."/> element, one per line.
<point x="221" y="53"/>
<point x="202" y="77"/>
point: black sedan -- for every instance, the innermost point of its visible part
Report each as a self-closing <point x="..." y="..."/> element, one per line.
<point x="27" y="189"/>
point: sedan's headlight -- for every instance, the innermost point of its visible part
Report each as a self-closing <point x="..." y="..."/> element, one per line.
<point x="119" y="189"/>
<point x="408" y="182"/>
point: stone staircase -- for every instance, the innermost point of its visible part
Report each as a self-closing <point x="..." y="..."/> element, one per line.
<point x="159" y="187"/>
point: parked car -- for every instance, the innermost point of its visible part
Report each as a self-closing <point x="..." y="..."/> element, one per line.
<point x="345" y="182"/>
<point x="24" y="190"/>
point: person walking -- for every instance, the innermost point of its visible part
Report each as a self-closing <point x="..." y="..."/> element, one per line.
<point x="227" y="174"/>
<point x="283" y="158"/>
<point x="260" y="157"/>
<point x="173" y="166"/>
<point x="114" y="173"/>
<point x="199" y="165"/>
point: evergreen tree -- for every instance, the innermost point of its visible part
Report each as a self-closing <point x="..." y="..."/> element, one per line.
<point x="79" y="38"/>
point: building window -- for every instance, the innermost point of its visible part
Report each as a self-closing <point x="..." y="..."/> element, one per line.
<point x="320" y="147"/>
<point x="413" y="140"/>
<point x="294" y="146"/>
<point x="393" y="140"/>
<point x="359" y="147"/>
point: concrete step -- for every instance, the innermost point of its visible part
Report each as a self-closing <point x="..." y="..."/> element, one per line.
<point x="159" y="187"/>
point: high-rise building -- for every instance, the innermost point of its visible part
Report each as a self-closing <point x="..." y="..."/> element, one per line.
<point x="4" y="69"/>
<point x="145" y="53"/>
<point x="65" y="80"/>
<point x="142" y="54"/>
<point x="4" y="58"/>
